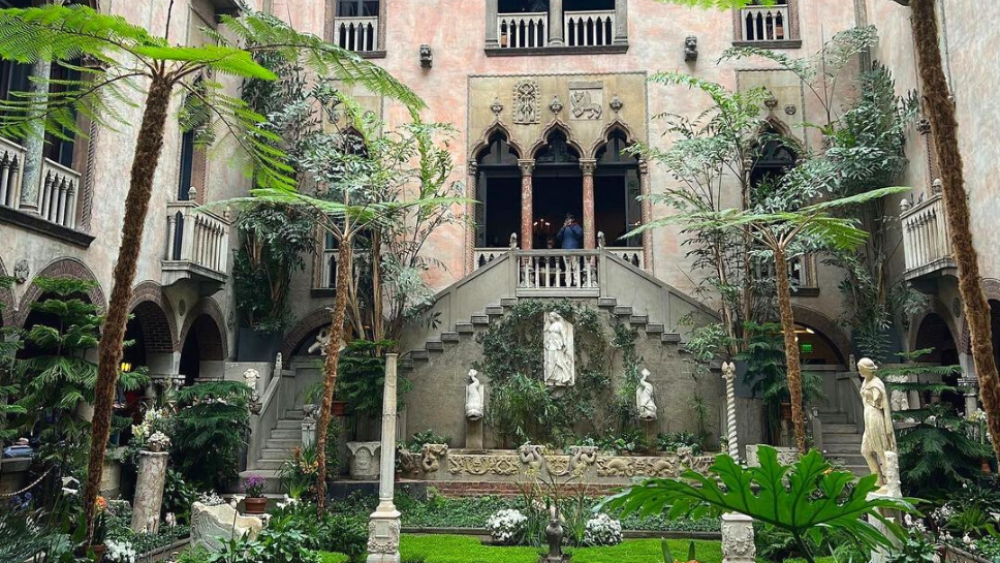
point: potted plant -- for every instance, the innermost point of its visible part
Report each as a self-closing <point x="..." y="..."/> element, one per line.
<point x="255" y="502"/>
<point x="314" y="397"/>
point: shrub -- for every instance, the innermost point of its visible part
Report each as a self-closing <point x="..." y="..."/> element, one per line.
<point x="603" y="530"/>
<point x="506" y="526"/>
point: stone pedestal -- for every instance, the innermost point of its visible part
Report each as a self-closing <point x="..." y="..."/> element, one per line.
<point x="384" y="524"/>
<point x="364" y="465"/>
<point x="474" y="434"/>
<point x="212" y="526"/>
<point x="149" y="491"/>
<point x="737" y="539"/>
<point x="892" y="489"/>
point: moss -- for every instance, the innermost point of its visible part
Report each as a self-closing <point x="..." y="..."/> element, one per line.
<point x="327" y="557"/>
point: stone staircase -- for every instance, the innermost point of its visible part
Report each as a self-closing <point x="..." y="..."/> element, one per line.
<point x="842" y="442"/>
<point x="282" y="441"/>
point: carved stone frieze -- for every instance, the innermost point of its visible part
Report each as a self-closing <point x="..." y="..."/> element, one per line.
<point x="586" y="101"/>
<point x="557" y="464"/>
<point x="479" y="465"/>
<point x="431" y="456"/>
<point x="532" y="455"/>
<point x="582" y="457"/>
<point x="526" y="105"/>
<point x="383" y="536"/>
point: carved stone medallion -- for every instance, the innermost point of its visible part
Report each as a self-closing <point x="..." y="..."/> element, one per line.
<point x="586" y="100"/>
<point x="525" y="107"/>
<point x="496" y="107"/>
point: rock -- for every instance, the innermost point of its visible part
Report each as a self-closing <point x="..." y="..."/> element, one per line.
<point x="211" y="526"/>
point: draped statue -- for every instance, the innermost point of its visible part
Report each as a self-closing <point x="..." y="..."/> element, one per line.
<point x="474" y="400"/>
<point x="879" y="437"/>
<point x="644" y="398"/>
<point x="560" y="359"/>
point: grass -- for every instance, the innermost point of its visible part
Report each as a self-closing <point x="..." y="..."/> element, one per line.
<point x="327" y="557"/>
<point x="468" y="549"/>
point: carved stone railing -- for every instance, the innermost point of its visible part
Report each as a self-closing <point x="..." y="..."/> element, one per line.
<point x="558" y="270"/>
<point x="522" y="31"/>
<point x="765" y="23"/>
<point x="483" y="256"/>
<point x="11" y="172"/>
<point x="59" y="194"/>
<point x="589" y="29"/>
<point x="926" y="240"/>
<point x="358" y="34"/>
<point x="199" y="238"/>
<point x="632" y="255"/>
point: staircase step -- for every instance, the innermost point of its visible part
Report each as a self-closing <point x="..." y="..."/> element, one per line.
<point x="274" y="453"/>
<point x="607" y="302"/>
<point x="480" y="319"/>
<point x="841" y="438"/>
<point x="638" y="319"/>
<point x="654" y="328"/>
<point x="623" y="311"/>
<point x="670" y="337"/>
<point x="294" y="414"/>
<point x="289" y="425"/>
<point x="494" y="311"/>
<point x="286" y="434"/>
<point x="434" y="345"/>
<point x="840" y="418"/>
<point x="451" y="337"/>
<point x="508" y="302"/>
<point x="269" y="464"/>
<point x="848" y="460"/>
<point x="420" y="355"/>
<point x="286" y="444"/>
<point x="839" y="428"/>
<point x="465" y="328"/>
<point x="840" y="449"/>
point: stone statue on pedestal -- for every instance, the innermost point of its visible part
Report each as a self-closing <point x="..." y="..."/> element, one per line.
<point x="879" y="437"/>
<point x="644" y="398"/>
<point x="560" y="359"/>
<point x="474" y="398"/>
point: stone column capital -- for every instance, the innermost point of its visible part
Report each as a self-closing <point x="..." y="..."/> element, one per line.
<point x="588" y="165"/>
<point x="527" y="166"/>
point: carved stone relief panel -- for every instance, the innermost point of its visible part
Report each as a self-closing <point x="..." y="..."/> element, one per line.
<point x="526" y="102"/>
<point x="586" y="100"/>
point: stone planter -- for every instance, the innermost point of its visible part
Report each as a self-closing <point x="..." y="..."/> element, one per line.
<point x="256" y="505"/>
<point x="364" y="465"/>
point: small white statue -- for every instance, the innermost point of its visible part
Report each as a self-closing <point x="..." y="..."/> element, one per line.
<point x="250" y="377"/>
<point x="644" y="398"/>
<point x="171" y="520"/>
<point x="322" y="341"/>
<point x="560" y="359"/>
<point x="474" y="400"/>
<point x="879" y="437"/>
<point x="278" y="364"/>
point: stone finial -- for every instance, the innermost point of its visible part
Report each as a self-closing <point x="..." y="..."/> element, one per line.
<point x="937" y="186"/>
<point x="192" y="193"/>
<point x="278" y="364"/>
<point x="556" y="105"/>
<point x="905" y="205"/>
<point x="513" y="240"/>
<point x="601" y="241"/>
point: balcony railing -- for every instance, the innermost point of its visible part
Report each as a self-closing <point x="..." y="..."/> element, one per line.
<point x="926" y="240"/>
<point x="523" y="31"/>
<point x="629" y="254"/>
<point x="197" y="239"/>
<point x="359" y="34"/>
<point x="483" y="256"/>
<point x="765" y="23"/>
<point x="558" y="269"/>
<point x="58" y="191"/>
<point x="590" y="29"/>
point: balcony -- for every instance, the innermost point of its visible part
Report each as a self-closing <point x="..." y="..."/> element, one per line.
<point x="197" y="245"/>
<point x="589" y="29"/>
<point x="557" y="32"/>
<point x="523" y="31"/>
<point x="768" y="27"/>
<point x="926" y="240"/>
<point x="358" y="34"/>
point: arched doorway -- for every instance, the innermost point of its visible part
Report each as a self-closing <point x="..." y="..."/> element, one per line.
<point x="556" y="189"/>
<point x="616" y="192"/>
<point x="498" y="191"/>
<point x="816" y="348"/>
<point x="934" y="334"/>
<point x="202" y="354"/>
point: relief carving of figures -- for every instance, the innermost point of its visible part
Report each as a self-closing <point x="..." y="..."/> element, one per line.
<point x="879" y="437"/>
<point x="584" y="106"/>
<point x="644" y="398"/>
<point x="615" y="467"/>
<point x="582" y="457"/>
<point x="431" y="456"/>
<point x="482" y="465"/>
<point x="527" y="96"/>
<point x="657" y="467"/>
<point x="409" y="462"/>
<point x="560" y="358"/>
<point x="474" y="397"/>
<point x="532" y="455"/>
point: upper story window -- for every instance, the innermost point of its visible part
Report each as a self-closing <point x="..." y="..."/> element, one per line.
<point x="356" y="25"/>
<point x="773" y="27"/>
<point x="541" y="27"/>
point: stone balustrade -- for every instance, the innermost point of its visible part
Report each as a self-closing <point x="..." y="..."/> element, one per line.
<point x="59" y="194"/>
<point x="765" y="23"/>
<point x="522" y="31"/>
<point x="926" y="240"/>
<point x="632" y="255"/>
<point x="589" y="29"/>
<point x="11" y="171"/>
<point x="198" y="237"/>
<point x="483" y="256"/>
<point x="558" y="269"/>
<point x="358" y="34"/>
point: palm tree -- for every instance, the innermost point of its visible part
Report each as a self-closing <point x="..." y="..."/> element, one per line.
<point x="130" y="60"/>
<point x="941" y="114"/>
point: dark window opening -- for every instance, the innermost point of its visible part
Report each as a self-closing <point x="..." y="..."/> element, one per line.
<point x="187" y="166"/>
<point x="525" y="6"/>
<point x="357" y="8"/>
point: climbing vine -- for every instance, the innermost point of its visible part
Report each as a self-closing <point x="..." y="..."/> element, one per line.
<point x="521" y="407"/>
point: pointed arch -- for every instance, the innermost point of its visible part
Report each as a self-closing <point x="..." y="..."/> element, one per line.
<point x="498" y="127"/>
<point x="62" y="268"/>
<point x="608" y="131"/>
<point x="543" y="139"/>
<point x="7" y="311"/>
<point x="774" y="124"/>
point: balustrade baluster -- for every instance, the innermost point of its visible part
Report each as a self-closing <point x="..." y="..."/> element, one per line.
<point x="5" y="188"/>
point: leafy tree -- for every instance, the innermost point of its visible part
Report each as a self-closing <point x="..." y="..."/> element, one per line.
<point x="210" y="429"/>
<point x="9" y="345"/>
<point x="805" y="499"/>
<point x="133" y="62"/>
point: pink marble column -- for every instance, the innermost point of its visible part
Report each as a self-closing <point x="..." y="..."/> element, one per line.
<point x="470" y="218"/>
<point x="589" y="228"/>
<point x="647" y="216"/>
<point x="527" y="211"/>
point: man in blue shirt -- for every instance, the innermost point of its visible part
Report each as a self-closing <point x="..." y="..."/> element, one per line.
<point x="570" y="236"/>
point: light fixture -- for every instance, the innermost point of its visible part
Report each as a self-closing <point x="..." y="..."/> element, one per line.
<point x="126" y="367"/>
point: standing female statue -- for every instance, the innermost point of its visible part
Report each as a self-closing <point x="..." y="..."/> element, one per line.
<point x="879" y="436"/>
<point x="560" y="361"/>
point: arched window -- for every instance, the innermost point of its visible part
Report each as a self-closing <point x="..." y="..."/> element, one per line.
<point x="616" y="194"/>
<point x="498" y="191"/>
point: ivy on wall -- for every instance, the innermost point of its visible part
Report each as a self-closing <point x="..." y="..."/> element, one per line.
<point x="522" y="409"/>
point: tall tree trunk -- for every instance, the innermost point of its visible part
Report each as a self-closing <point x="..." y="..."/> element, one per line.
<point x="941" y="113"/>
<point x="794" y="367"/>
<point x="147" y="155"/>
<point x="344" y="256"/>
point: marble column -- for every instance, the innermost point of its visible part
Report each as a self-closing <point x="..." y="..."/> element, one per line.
<point x="970" y="388"/>
<point x="470" y="218"/>
<point x="34" y="144"/>
<point x="527" y="207"/>
<point x="587" y="165"/>
<point x="729" y="375"/>
<point x="556" y="23"/>
<point x="149" y="491"/>
<point x="647" y="216"/>
<point x="737" y="539"/>
<point x="384" y="524"/>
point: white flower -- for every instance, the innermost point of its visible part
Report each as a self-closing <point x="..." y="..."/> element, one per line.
<point x="288" y="501"/>
<point x="505" y="525"/>
<point x="119" y="551"/>
<point x="603" y="530"/>
<point x="967" y="540"/>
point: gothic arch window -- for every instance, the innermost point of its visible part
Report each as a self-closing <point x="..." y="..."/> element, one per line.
<point x="773" y="27"/>
<point x="617" y="189"/>
<point x="557" y="151"/>
<point x="498" y="191"/>
<point x="357" y="26"/>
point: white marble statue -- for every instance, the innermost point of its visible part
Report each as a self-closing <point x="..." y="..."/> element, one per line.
<point x="322" y="341"/>
<point x="560" y="359"/>
<point x="250" y="377"/>
<point x="474" y="397"/>
<point x="879" y="437"/>
<point x="644" y="398"/>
